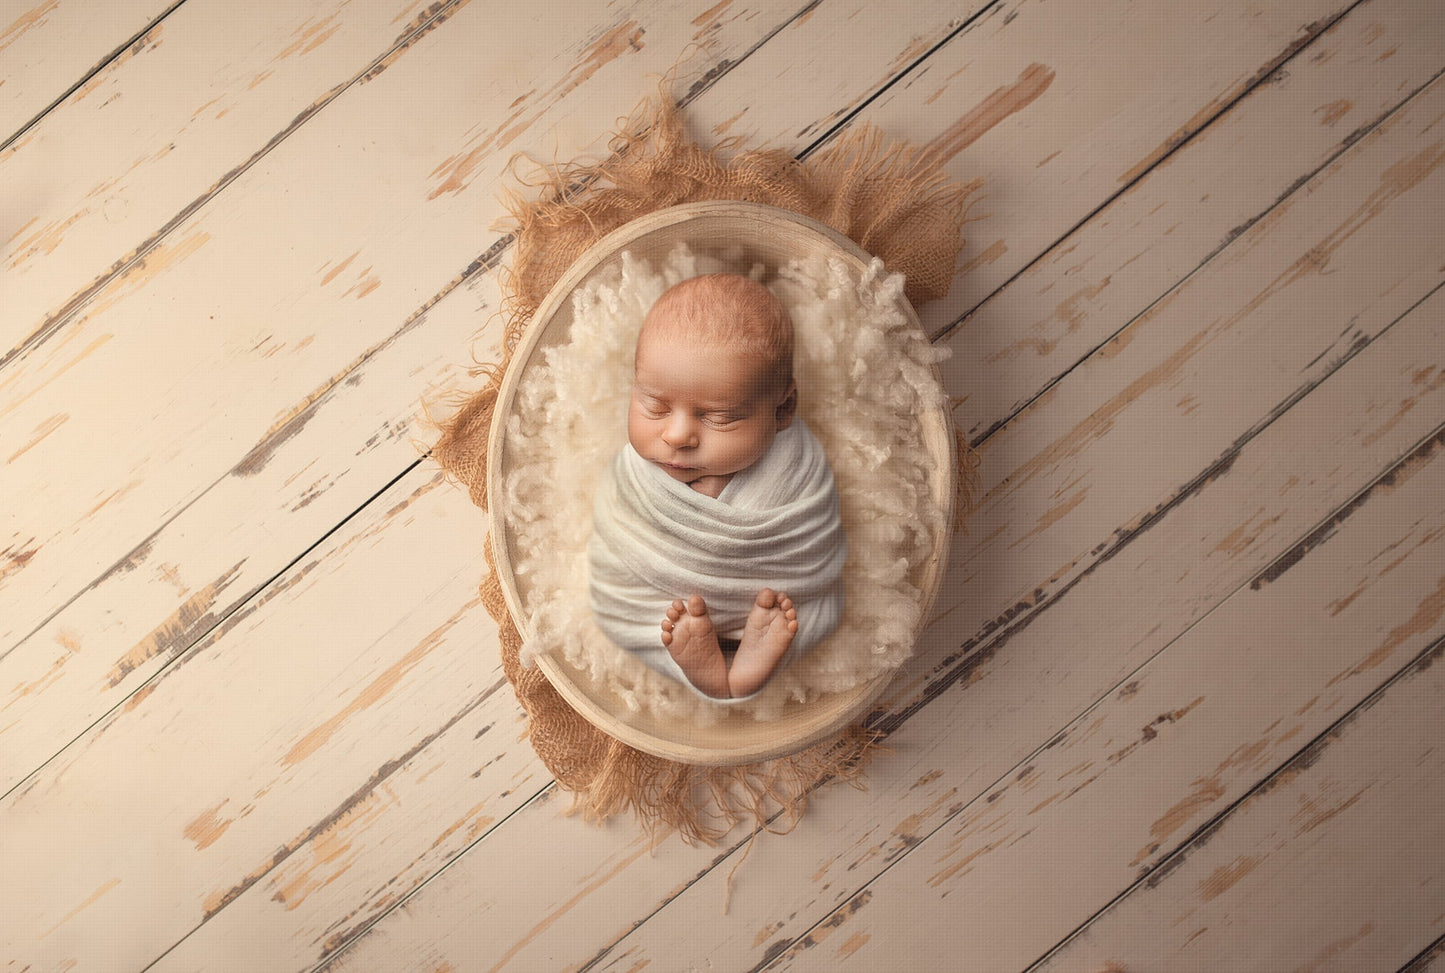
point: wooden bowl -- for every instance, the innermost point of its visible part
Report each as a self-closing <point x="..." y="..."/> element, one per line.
<point x="766" y="235"/>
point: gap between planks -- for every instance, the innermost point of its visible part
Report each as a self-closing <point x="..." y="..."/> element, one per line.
<point x="87" y="75"/>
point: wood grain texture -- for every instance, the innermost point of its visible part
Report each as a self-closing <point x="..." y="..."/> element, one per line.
<point x="849" y="837"/>
<point x="49" y="46"/>
<point x="1023" y="103"/>
<point x="173" y="138"/>
<point x="273" y="796"/>
<point x="1331" y="864"/>
<point x="1428" y="958"/>
<point x="197" y="600"/>
<point x="250" y="712"/>
<point x="179" y="583"/>
<point x="1330" y="268"/>
<point x="1176" y="216"/>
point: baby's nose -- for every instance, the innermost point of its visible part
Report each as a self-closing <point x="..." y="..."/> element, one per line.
<point x="680" y="431"/>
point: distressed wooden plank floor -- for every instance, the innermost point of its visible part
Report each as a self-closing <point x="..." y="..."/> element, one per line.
<point x="1178" y="706"/>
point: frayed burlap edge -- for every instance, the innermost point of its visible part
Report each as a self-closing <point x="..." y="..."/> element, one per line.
<point x="891" y="199"/>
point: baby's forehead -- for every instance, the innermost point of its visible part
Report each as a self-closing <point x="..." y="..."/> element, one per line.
<point x="661" y="346"/>
<point x="667" y="340"/>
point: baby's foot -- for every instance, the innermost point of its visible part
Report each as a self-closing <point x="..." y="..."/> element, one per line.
<point x="692" y="641"/>
<point x="769" y="631"/>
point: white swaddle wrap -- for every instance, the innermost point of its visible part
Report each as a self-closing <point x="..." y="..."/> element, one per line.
<point x="775" y="525"/>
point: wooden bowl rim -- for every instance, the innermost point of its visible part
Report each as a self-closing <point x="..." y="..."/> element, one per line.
<point x="719" y="744"/>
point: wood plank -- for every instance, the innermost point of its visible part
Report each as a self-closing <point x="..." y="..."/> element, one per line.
<point x="1190" y="733"/>
<point x="175" y="136"/>
<point x="319" y="854"/>
<point x="1219" y="547"/>
<point x="310" y="471"/>
<point x="49" y="46"/>
<point x="1332" y="864"/>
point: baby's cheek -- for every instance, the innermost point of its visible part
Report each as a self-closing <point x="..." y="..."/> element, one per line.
<point x="635" y="430"/>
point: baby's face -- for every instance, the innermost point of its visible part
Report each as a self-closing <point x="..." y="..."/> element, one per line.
<point x="702" y="410"/>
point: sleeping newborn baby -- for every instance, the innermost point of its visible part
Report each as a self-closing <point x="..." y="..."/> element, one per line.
<point x="719" y="520"/>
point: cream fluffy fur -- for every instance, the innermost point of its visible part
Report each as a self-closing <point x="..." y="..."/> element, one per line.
<point x="864" y="376"/>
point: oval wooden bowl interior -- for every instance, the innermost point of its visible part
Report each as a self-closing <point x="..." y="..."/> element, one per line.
<point x="762" y="234"/>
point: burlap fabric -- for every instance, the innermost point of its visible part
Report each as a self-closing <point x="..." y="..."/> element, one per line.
<point x="896" y="203"/>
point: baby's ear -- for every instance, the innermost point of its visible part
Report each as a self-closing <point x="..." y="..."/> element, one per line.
<point x="788" y="407"/>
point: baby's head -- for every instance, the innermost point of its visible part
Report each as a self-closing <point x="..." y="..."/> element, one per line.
<point x="713" y="382"/>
